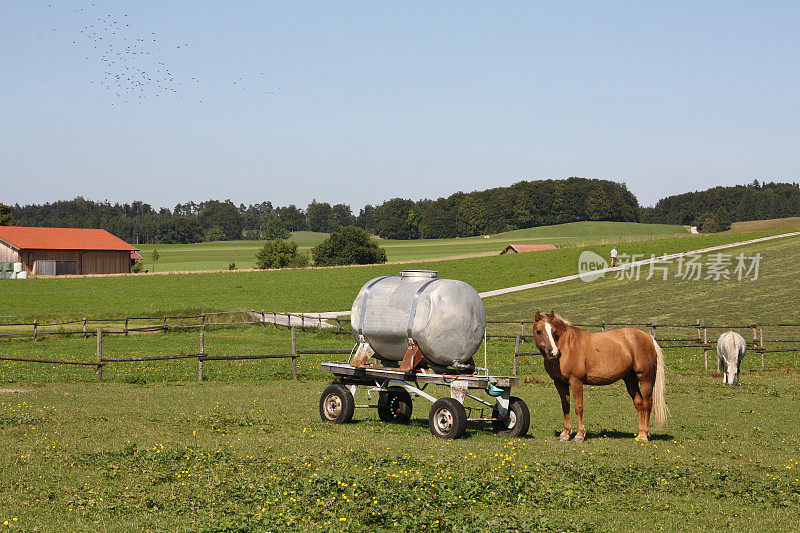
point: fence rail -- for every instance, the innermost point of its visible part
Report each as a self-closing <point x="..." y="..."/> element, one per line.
<point x="778" y="336"/>
<point x="161" y="323"/>
<point x="701" y="341"/>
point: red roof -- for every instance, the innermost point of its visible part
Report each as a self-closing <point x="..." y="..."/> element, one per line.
<point x="22" y="238"/>
<point x="520" y="248"/>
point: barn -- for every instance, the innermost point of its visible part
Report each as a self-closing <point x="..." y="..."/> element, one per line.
<point x="522" y="248"/>
<point x="58" y="251"/>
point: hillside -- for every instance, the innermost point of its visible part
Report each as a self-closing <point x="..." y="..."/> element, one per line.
<point x="323" y="289"/>
<point x="218" y="255"/>
<point x="774" y="224"/>
<point x="773" y="297"/>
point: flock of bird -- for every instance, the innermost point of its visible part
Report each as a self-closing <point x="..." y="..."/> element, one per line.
<point x="134" y="64"/>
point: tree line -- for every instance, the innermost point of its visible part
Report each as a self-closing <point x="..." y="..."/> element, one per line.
<point x="522" y="205"/>
<point x="717" y="207"/>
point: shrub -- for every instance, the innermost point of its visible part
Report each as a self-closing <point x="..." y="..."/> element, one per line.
<point x="300" y="261"/>
<point x="276" y="253"/>
<point x="232" y="266"/>
<point x="348" y="246"/>
<point x="137" y="267"/>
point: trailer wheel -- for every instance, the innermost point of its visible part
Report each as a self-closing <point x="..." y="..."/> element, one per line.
<point x="448" y="419"/>
<point x="337" y="404"/>
<point x="518" y="421"/>
<point x="394" y="405"/>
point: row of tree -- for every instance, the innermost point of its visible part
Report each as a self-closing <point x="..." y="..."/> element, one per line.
<point x="719" y="206"/>
<point x="523" y="205"/>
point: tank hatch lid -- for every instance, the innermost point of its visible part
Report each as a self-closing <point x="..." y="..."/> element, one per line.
<point x="428" y="274"/>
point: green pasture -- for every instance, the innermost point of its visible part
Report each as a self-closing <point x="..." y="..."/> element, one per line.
<point x="254" y="456"/>
<point x="775" y="224"/>
<point x="150" y="448"/>
<point x="296" y="290"/>
<point x="772" y="297"/>
<point x="218" y="255"/>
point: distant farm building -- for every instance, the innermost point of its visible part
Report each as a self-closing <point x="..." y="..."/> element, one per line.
<point x="58" y="251"/>
<point x="521" y="248"/>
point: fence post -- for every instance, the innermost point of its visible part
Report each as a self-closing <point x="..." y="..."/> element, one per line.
<point x="275" y="318"/>
<point x="522" y="329"/>
<point x="200" y="375"/>
<point x="338" y="325"/>
<point x="516" y="349"/>
<point x="126" y="325"/>
<point x="165" y="325"/>
<point x="705" y="343"/>
<point x="35" y="327"/>
<point x="303" y="321"/>
<point x="294" y="353"/>
<point x="761" y="344"/>
<point x="84" y="327"/>
<point x="653" y="330"/>
<point x="263" y="318"/>
<point x="603" y="325"/>
<point x="99" y="354"/>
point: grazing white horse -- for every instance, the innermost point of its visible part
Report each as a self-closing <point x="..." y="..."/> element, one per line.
<point x="731" y="348"/>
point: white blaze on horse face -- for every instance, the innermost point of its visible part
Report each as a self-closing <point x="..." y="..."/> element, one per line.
<point x="549" y="330"/>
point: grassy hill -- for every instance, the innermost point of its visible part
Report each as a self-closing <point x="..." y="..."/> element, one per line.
<point x="772" y="297"/>
<point x="324" y="289"/>
<point x="775" y="224"/>
<point x="218" y="255"/>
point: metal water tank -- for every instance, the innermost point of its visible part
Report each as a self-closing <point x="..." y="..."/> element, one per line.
<point x="445" y="317"/>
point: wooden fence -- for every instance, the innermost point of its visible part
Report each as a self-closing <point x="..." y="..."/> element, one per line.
<point x="162" y="323"/>
<point x="673" y="336"/>
<point x="669" y="336"/>
<point x="202" y="356"/>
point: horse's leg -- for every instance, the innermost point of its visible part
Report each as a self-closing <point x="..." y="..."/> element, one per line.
<point x="577" y="392"/>
<point x="632" y="383"/>
<point x="563" y="392"/>
<point x="646" y="386"/>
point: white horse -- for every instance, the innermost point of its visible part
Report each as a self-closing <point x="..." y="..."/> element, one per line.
<point x="731" y="348"/>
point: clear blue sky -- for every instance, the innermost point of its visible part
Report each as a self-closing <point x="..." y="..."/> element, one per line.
<point x="359" y="102"/>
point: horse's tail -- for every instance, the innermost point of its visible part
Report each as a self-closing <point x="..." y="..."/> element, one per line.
<point x="660" y="410"/>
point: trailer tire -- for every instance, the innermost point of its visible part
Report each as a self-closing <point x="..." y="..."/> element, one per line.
<point x="394" y="405"/>
<point x="518" y="421"/>
<point x="337" y="404"/>
<point x="448" y="419"/>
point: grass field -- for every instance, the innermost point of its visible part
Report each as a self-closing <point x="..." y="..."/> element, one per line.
<point x="241" y="456"/>
<point x="776" y="224"/>
<point x="218" y="255"/>
<point x="773" y="297"/>
<point x="292" y="290"/>
<point x="152" y="449"/>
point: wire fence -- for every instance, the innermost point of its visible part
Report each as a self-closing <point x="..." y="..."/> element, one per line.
<point x="139" y="324"/>
<point x="762" y="338"/>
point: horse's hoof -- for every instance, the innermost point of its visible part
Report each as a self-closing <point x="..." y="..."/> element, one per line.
<point x="577" y="439"/>
<point x="641" y="438"/>
<point x="564" y="437"/>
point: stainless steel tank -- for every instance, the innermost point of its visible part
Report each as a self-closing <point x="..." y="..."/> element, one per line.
<point x="445" y="317"/>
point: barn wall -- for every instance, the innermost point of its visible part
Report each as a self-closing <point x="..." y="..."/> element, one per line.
<point x="88" y="262"/>
<point x="8" y="254"/>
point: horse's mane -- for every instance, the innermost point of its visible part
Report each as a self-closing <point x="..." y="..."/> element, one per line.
<point x="559" y="317"/>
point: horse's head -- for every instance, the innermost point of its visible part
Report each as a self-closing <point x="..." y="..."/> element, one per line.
<point x="547" y="330"/>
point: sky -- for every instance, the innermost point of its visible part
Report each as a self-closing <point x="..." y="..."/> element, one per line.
<point x="360" y="102"/>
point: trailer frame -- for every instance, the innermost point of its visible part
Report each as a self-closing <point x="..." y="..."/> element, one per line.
<point x="448" y="416"/>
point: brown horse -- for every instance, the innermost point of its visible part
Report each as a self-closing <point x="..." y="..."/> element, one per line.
<point x="573" y="357"/>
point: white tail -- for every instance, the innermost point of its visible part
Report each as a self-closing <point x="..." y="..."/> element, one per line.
<point x="660" y="410"/>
